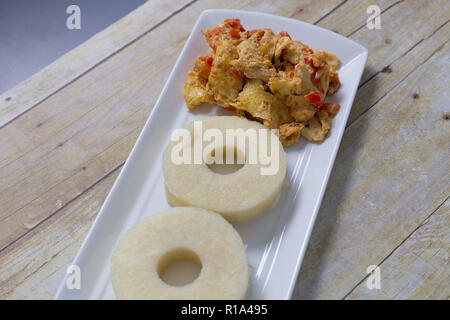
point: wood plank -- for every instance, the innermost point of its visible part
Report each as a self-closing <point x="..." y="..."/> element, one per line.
<point x="419" y="268"/>
<point x="392" y="168"/>
<point x="84" y="131"/>
<point x="86" y="56"/>
<point x="35" y="265"/>
<point x="383" y="81"/>
<point x="351" y="16"/>
<point x="307" y="10"/>
<point x="406" y="26"/>
<point x="403" y="26"/>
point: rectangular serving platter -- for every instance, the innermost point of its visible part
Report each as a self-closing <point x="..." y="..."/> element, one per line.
<point x="276" y="241"/>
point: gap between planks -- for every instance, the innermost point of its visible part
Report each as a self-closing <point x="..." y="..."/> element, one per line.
<point x="404" y="54"/>
<point x="101" y="61"/>
<point x="384" y="256"/>
<point x="382" y="11"/>
<point x="401" y="80"/>
<point x="4" y="250"/>
<point x="141" y="36"/>
<point x="330" y="12"/>
<point x="421" y="224"/>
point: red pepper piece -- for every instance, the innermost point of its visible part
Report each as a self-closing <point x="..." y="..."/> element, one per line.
<point x="208" y="60"/>
<point x="316" y="82"/>
<point x="230" y="108"/>
<point x="234" y="34"/>
<point x="316" y="98"/>
<point x="331" y="107"/>
<point x="205" y="71"/>
<point x="285" y="34"/>
<point x="235" y="23"/>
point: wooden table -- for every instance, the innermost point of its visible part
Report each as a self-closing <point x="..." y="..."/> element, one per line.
<point x="66" y="132"/>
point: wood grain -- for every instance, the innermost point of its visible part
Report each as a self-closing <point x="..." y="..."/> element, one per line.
<point x="392" y="168"/>
<point x="420" y="264"/>
<point x="86" y="56"/>
<point x="403" y="43"/>
<point x="62" y="145"/>
<point x="35" y="265"/>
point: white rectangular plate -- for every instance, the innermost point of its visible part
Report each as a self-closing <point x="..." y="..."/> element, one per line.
<point x="276" y="241"/>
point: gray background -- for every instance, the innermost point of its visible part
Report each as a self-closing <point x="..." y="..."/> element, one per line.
<point x="33" y="33"/>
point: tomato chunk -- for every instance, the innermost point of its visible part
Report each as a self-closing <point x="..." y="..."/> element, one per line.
<point x="230" y="108"/>
<point x="331" y="107"/>
<point x="208" y="60"/>
<point x="235" y="23"/>
<point x="316" y="98"/>
<point x="213" y="44"/>
<point x="309" y="60"/>
<point x="205" y="71"/>
<point x="285" y="34"/>
<point x="234" y="34"/>
<point x="215" y="31"/>
<point x="316" y="82"/>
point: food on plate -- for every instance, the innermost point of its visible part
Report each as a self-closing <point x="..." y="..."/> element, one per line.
<point x="154" y="243"/>
<point x="237" y="196"/>
<point x="266" y="77"/>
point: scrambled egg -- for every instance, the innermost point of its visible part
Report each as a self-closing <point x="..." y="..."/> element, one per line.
<point x="266" y="77"/>
<point x="224" y="84"/>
